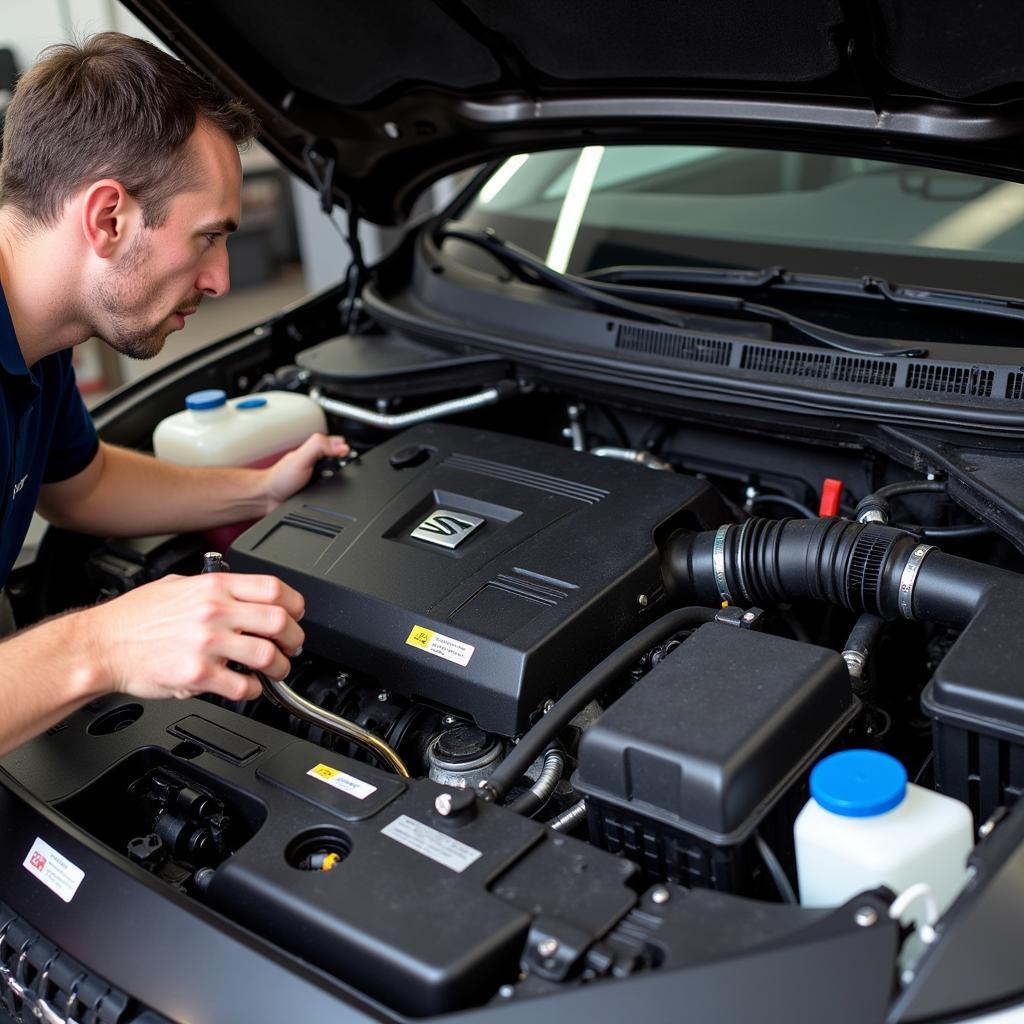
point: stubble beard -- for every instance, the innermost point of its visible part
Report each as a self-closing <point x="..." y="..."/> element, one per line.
<point x="127" y="288"/>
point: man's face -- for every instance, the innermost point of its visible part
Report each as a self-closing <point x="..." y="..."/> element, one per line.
<point x="165" y="272"/>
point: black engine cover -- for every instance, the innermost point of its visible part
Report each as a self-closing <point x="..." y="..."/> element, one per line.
<point x="530" y="571"/>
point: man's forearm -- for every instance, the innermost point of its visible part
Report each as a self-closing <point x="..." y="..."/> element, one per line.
<point x="129" y="494"/>
<point x="47" y="672"/>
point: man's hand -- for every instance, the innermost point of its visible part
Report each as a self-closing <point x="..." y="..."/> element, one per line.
<point x="293" y="471"/>
<point x="174" y="637"/>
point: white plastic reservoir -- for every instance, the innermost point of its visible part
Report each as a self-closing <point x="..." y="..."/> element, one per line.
<point x="255" y="430"/>
<point x="866" y="826"/>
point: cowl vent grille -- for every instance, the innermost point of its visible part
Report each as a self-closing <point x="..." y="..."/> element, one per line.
<point x="787" y="362"/>
<point x="918" y="377"/>
<point x="951" y="380"/>
<point x="692" y="348"/>
<point x="879" y="373"/>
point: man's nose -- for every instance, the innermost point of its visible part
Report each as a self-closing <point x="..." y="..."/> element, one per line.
<point x="213" y="279"/>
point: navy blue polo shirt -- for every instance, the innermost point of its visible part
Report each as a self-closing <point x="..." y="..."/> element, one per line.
<point x="46" y="434"/>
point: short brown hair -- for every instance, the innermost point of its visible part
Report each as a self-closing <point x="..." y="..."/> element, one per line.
<point x="111" y="107"/>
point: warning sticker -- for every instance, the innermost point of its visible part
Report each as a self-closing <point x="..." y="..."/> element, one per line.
<point x="431" y="843"/>
<point x="440" y="646"/>
<point x="340" y="780"/>
<point x="56" y="872"/>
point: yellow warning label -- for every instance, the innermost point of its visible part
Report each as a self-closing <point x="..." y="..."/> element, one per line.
<point x="340" y="780"/>
<point x="420" y="637"/>
<point x="440" y="646"/>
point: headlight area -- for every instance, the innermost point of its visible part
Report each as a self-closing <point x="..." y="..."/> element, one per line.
<point x="647" y="736"/>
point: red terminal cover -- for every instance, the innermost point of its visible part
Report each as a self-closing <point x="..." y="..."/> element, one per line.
<point x="830" y="491"/>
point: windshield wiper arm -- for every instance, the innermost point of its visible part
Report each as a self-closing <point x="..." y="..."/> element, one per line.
<point x="637" y="299"/>
<point x="869" y="286"/>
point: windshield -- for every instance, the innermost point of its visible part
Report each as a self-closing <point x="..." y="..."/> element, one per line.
<point x="583" y="209"/>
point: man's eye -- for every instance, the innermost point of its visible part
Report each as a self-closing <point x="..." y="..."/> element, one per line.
<point x="211" y="237"/>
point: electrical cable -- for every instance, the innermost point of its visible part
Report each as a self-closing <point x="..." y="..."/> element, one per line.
<point x="771" y="862"/>
<point x="785" y="501"/>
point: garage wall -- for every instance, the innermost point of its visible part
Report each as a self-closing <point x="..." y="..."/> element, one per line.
<point x="27" y="26"/>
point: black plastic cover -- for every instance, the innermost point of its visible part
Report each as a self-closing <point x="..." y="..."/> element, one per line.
<point x="367" y="366"/>
<point x="425" y="913"/>
<point x="976" y="702"/>
<point x="520" y="609"/>
<point x="710" y="738"/>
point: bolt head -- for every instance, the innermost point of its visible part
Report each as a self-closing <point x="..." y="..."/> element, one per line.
<point x="660" y="895"/>
<point x="547" y="706"/>
<point x="383" y="696"/>
<point x="506" y="991"/>
<point x="866" y="917"/>
<point x="642" y="600"/>
<point x="547" y="947"/>
<point x="449" y="720"/>
<point x="443" y="804"/>
<point x="748" y="616"/>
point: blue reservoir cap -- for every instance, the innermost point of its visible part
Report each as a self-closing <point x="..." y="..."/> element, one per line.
<point x="251" y="403"/>
<point x="214" y="398"/>
<point x="858" y="783"/>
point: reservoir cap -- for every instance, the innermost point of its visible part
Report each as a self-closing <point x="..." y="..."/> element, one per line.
<point x="214" y="398"/>
<point x="858" y="783"/>
<point x="251" y="403"/>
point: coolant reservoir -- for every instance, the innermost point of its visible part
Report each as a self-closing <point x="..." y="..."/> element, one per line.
<point x="866" y="826"/>
<point x="255" y="430"/>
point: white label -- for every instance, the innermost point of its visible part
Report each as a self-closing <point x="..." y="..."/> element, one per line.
<point x="339" y="780"/>
<point x="57" y="873"/>
<point x="431" y="843"/>
<point x="440" y="646"/>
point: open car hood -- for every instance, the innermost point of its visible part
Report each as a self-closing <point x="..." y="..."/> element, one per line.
<point x="372" y="101"/>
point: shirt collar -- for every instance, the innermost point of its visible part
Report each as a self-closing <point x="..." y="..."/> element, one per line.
<point x="11" y="359"/>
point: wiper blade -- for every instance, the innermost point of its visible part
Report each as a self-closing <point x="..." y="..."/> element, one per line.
<point x="653" y="303"/>
<point x="869" y="286"/>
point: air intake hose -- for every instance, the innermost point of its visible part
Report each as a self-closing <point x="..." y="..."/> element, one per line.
<point x="865" y="568"/>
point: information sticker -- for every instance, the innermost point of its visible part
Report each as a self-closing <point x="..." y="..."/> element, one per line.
<point x="440" y="646"/>
<point x="340" y="780"/>
<point x="431" y="843"/>
<point x="55" y="871"/>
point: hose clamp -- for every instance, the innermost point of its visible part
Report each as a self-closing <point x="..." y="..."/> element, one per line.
<point x="909" y="578"/>
<point x="718" y="563"/>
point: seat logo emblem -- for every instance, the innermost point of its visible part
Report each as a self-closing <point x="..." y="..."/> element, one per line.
<point x="446" y="528"/>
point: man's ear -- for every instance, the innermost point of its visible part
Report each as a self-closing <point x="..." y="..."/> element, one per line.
<point x="109" y="217"/>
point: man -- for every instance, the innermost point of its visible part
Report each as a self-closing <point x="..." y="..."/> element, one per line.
<point x="119" y="183"/>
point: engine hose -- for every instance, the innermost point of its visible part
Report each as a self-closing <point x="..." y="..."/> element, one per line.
<point x="569" y="819"/>
<point x="862" y="567"/>
<point x="540" y="736"/>
<point x="540" y="792"/>
<point x="861" y="644"/>
<point x="288" y="700"/>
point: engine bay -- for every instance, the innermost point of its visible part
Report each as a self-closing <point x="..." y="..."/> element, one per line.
<point x="601" y="683"/>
